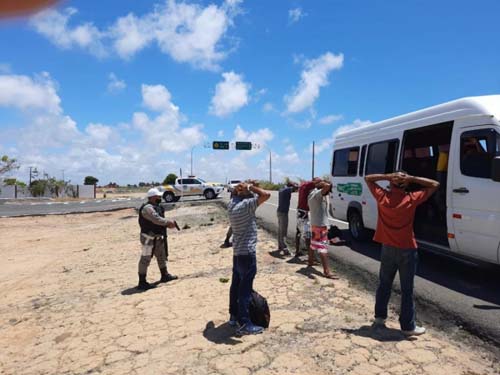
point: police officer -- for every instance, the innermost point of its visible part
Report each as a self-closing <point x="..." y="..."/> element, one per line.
<point x="153" y="238"/>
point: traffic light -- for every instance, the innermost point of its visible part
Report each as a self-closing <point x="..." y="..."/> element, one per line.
<point x="220" y="145"/>
<point x="243" y="145"/>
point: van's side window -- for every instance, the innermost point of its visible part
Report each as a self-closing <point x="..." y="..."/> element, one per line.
<point x="362" y="160"/>
<point x="382" y="157"/>
<point x="345" y="162"/>
<point x="477" y="149"/>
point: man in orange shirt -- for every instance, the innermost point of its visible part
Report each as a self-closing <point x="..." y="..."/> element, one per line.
<point x="396" y="213"/>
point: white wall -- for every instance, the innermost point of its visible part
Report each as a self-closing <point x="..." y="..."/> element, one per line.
<point x="71" y="191"/>
<point x="86" y="191"/>
<point x="7" y="192"/>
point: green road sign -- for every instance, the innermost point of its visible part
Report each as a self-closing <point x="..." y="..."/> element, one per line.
<point x="243" y="145"/>
<point x="220" y="145"/>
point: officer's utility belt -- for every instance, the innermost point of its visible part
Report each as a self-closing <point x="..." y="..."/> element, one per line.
<point x="149" y="237"/>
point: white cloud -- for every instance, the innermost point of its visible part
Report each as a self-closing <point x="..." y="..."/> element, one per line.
<point x="52" y="140"/>
<point x="99" y="134"/>
<point x="230" y="95"/>
<point x="188" y="33"/>
<point x="54" y="26"/>
<point x="260" y="136"/>
<point x="313" y="77"/>
<point x="295" y="14"/>
<point x="327" y="143"/>
<point x="164" y="132"/>
<point x="158" y="98"/>
<point x="220" y="133"/>
<point x="26" y="93"/>
<point x="115" y="85"/>
<point x="327" y="120"/>
<point x="354" y="125"/>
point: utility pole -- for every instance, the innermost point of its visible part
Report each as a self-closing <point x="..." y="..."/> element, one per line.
<point x="62" y="174"/>
<point x="192" y="148"/>
<point x="312" y="162"/>
<point x="270" y="168"/>
<point x="33" y="173"/>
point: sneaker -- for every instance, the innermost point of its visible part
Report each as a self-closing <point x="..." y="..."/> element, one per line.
<point x="417" y="331"/>
<point x="233" y="321"/>
<point x="249" y="329"/>
<point x="225" y="245"/>
<point x="286" y="253"/>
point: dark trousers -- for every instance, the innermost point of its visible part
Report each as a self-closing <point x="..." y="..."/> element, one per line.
<point x="393" y="260"/>
<point x="282" y="230"/>
<point x="244" y="270"/>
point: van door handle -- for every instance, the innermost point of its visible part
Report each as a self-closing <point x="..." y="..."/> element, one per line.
<point x="461" y="190"/>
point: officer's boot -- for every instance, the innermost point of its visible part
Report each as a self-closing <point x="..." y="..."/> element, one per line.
<point x="165" y="276"/>
<point x="143" y="284"/>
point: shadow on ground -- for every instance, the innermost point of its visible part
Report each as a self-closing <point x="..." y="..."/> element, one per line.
<point x="277" y="254"/>
<point x="135" y="290"/>
<point x="478" y="281"/>
<point x="309" y="272"/>
<point x="223" y="334"/>
<point x="379" y="333"/>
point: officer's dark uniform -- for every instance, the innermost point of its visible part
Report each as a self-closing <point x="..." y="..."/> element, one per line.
<point x="154" y="242"/>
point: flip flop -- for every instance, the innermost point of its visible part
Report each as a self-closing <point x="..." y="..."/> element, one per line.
<point x="331" y="276"/>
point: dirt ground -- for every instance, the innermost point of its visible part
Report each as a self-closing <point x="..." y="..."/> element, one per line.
<point x="69" y="306"/>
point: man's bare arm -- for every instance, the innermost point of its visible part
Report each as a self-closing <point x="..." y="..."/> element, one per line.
<point x="261" y="193"/>
<point x="427" y="183"/>
<point x="379" y="177"/>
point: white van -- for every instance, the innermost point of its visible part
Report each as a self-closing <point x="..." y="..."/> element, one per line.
<point x="456" y="143"/>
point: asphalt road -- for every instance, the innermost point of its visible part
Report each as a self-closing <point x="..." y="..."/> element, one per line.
<point x="464" y="293"/>
<point x="46" y="207"/>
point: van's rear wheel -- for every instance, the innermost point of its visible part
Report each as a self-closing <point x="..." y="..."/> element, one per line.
<point x="356" y="226"/>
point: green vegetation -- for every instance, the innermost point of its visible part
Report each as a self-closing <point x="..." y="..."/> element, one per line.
<point x="90" y="180"/>
<point x="170" y="179"/>
<point x="7" y="164"/>
<point x="266" y="185"/>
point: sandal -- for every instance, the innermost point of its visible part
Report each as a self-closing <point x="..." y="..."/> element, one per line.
<point x="331" y="276"/>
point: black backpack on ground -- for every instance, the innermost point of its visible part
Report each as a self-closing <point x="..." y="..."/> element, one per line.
<point x="333" y="232"/>
<point x="259" y="310"/>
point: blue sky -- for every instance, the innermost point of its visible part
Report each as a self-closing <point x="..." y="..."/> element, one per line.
<point x="125" y="90"/>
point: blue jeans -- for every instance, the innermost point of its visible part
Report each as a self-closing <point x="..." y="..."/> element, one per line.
<point x="405" y="261"/>
<point x="244" y="270"/>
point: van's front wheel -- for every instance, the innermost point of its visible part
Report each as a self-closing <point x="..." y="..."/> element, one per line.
<point x="356" y="226"/>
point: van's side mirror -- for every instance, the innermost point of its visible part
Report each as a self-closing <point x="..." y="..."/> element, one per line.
<point x="495" y="169"/>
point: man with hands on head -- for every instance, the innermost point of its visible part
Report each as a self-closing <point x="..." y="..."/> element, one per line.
<point x="153" y="238"/>
<point x="318" y="212"/>
<point x="241" y="209"/>
<point x="396" y="214"/>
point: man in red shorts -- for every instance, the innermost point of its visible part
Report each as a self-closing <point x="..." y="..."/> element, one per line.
<point x="318" y="206"/>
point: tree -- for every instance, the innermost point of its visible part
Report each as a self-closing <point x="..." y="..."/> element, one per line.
<point x="170" y="179"/>
<point x="37" y="187"/>
<point x="7" y="164"/>
<point x="10" y="181"/>
<point x="90" y="180"/>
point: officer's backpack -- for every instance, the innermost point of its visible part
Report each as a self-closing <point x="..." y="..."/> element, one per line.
<point x="259" y="310"/>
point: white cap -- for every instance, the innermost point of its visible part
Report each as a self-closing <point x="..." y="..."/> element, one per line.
<point x="154" y="192"/>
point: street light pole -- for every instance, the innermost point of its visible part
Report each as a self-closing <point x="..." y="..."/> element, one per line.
<point x="192" y="148"/>
<point x="312" y="162"/>
<point x="270" y="167"/>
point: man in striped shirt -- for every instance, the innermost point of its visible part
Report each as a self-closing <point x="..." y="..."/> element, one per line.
<point x="241" y="211"/>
